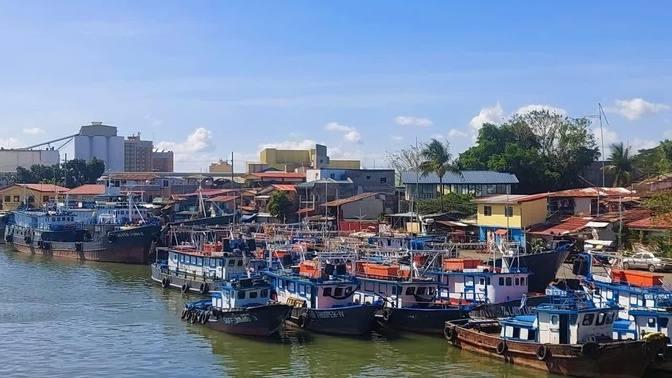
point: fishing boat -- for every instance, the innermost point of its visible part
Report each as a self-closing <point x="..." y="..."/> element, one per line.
<point x="241" y="307"/>
<point x="63" y="234"/>
<point x="410" y="304"/>
<point x="322" y="298"/>
<point x="543" y="264"/>
<point x="569" y="336"/>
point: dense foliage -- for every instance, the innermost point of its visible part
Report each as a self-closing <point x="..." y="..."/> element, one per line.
<point x="280" y="206"/>
<point x="70" y="174"/>
<point x="547" y="151"/>
<point x="451" y="202"/>
<point x="621" y="164"/>
<point x="654" y="161"/>
<point x="437" y="159"/>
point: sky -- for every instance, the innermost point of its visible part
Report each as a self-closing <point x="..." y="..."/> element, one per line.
<point x="208" y="78"/>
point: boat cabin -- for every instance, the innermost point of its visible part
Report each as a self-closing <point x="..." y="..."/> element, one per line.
<point x="561" y="322"/>
<point x="481" y="285"/>
<point x="315" y="293"/>
<point x="643" y="321"/>
<point x="242" y="293"/>
<point x="415" y="292"/>
<point x="46" y="221"/>
<point x="215" y="265"/>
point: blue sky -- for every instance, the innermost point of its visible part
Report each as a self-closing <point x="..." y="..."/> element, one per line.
<point x="364" y="77"/>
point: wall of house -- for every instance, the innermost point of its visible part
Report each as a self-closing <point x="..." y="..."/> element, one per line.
<point x="533" y="212"/>
<point x="497" y="218"/>
<point x="13" y="196"/>
<point x="367" y="208"/>
<point x="582" y="206"/>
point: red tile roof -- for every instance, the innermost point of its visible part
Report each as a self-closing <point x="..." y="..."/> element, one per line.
<point x="662" y="222"/>
<point x="593" y="192"/>
<point x="567" y="226"/>
<point x="344" y="201"/>
<point x="45" y="188"/>
<point x="88" y="190"/>
<point x="285" y="187"/>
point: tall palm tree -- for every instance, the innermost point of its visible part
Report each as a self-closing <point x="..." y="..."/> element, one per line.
<point x="621" y="164"/>
<point x="436" y="158"/>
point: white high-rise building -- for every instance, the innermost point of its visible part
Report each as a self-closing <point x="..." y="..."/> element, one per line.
<point x="101" y="141"/>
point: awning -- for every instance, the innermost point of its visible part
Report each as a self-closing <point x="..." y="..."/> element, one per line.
<point x="501" y="231"/>
<point x="597" y="224"/>
<point x="452" y="223"/>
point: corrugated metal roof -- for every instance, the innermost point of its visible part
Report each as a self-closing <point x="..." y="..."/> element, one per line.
<point x="88" y="190"/>
<point x="510" y="198"/>
<point x="663" y="222"/>
<point x="46" y="188"/>
<point x="593" y="192"/>
<point x="567" y="226"/>
<point x="467" y="177"/>
<point x="344" y="201"/>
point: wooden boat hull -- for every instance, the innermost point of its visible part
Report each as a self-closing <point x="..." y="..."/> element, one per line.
<point x="349" y="320"/>
<point x="612" y="359"/>
<point x="124" y="246"/>
<point x="420" y="320"/>
<point x="192" y="283"/>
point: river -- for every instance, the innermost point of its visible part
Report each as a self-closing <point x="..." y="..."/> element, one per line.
<point x="71" y="318"/>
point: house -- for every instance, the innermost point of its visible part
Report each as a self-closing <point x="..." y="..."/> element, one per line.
<point x="509" y="215"/>
<point x="655" y="184"/>
<point x="584" y="201"/>
<point x="652" y="227"/>
<point x="148" y="185"/>
<point x="312" y="194"/>
<point x="263" y="179"/>
<point x="31" y="195"/>
<point x="86" y="192"/>
<point x="476" y="183"/>
<point x="358" y="212"/>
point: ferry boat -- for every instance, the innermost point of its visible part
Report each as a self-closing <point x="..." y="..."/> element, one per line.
<point x="63" y="234"/>
<point x="410" y="304"/>
<point x="568" y="336"/>
<point x="241" y="307"/>
<point x="322" y="299"/>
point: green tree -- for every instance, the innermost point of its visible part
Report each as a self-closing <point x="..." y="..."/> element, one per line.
<point x="621" y="164"/>
<point x="437" y="159"/>
<point x="280" y="206"/>
<point x="452" y="202"/>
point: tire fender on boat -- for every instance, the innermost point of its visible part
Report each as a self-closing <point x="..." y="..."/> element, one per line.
<point x="450" y="333"/>
<point x="194" y="318"/>
<point x="165" y="282"/>
<point x="185" y="312"/>
<point x="501" y="347"/>
<point x="203" y="288"/>
<point x="543" y="352"/>
<point x="387" y="312"/>
<point x="303" y="321"/>
<point x="185" y="287"/>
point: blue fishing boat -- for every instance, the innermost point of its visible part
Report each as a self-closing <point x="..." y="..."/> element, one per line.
<point x="241" y="307"/>
<point x="322" y="299"/>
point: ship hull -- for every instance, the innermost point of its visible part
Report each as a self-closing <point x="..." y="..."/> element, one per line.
<point x="543" y="267"/>
<point x="348" y="320"/>
<point x="262" y="320"/>
<point x="430" y="320"/>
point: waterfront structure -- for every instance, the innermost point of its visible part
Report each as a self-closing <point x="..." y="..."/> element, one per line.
<point x="163" y="161"/>
<point x="220" y="166"/>
<point x="31" y="195"/>
<point x="11" y="159"/>
<point x="137" y="154"/>
<point x="101" y="142"/>
<point x="291" y="160"/>
<point x="476" y="183"/>
<point x="508" y="216"/>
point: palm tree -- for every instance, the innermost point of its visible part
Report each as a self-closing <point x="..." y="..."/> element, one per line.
<point x="436" y="158"/>
<point x="621" y="164"/>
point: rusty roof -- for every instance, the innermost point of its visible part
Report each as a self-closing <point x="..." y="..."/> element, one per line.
<point x="343" y="201"/>
<point x="510" y="198"/>
<point x="45" y="188"/>
<point x="593" y="192"/>
<point x="284" y="187"/>
<point x="223" y="199"/>
<point x="87" y="190"/>
<point x="662" y="222"/>
<point x="566" y="226"/>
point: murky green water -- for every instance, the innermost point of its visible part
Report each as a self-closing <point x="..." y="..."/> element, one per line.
<point x="66" y="318"/>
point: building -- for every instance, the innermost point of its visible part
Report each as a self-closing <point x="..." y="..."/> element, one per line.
<point x="584" y="201"/>
<point x="262" y="179"/>
<point x="358" y="212"/>
<point x="291" y="160"/>
<point x="220" y="166"/>
<point x="476" y="183"/>
<point x="32" y="195"/>
<point x="86" y="192"/>
<point x="11" y="159"/>
<point x="363" y="180"/>
<point x="138" y="154"/>
<point x="149" y="186"/>
<point x="163" y="161"/>
<point x="101" y="142"/>
<point x="509" y="215"/>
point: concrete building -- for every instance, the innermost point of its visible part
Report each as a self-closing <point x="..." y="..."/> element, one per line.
<point x="100" y="141"/>
<point x="138" y="154"/>
<point x="363" y="180"/>
<point x="510" y="215"/>
<point x="220" y="166"/>
<point x="476" y="183"/>
<point x="291" y="160"/>
<point x="12" y="159"/>
<point x="32" y="195"/>
<point x="163" y="161"/>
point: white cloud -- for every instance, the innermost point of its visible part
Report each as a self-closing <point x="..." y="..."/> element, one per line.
<point x="636" y="108"/>
<point x="196" y="143"/>
<point x="413" y="121"/>
<point x="33" y="131"/>
<point x="304" y="144"/>
<point x="397" y="138"/>
<point x="455" y="133"/>
<point x="540" y="107"/>
<point x="350" y="134"/>
<point x="492" y="114"/>
<point x="9" y="142"/>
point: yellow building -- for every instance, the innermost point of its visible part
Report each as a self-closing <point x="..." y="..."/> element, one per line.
<point x="34" y="195"/>
<point x="291" y="160"/>
<point x="510" y="215"/>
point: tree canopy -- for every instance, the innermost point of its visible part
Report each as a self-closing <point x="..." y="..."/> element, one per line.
<point x="547" y="151"/>
<point x="280" y="206"/>
<point x="437" y="159"/>
<point x="621" y="164"/>
<point x="70" y="174"/>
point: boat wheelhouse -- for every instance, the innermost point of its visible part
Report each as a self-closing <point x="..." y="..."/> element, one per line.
<point x="569" y="335"/>
<point x="241" y="307"/>
<point x="323" y="302"/>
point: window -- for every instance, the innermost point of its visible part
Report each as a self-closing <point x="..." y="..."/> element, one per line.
<point x="610" y="318"/>
<point x="383" y="180"/>
<point x="651" y="322"/>
<point x="487" y="210"/>
<point x="264" y="293"/>
<point x="555" y="319"/>
<point x="516" y="333"/>
<point x="410" y="290"/>
<point x="662" y="322"/>
<point x="17" y="199"/>
<point x="290" y="286"/>
<point x="232" y="262"/>
<point x="326" y="292"/>
<point x="395" y="290"/>
<point x="240" y="262"/>
<point x="522" y="281"/>
<point x="421" y="291"/>
<point x="368" y="177"/>
<point x="213" y="263"/>
<point x="241" y="295"/>
<point x="481" y="281"/>
<point x="517" y="281"/>
<point x="491" y="189"/>
<point x="369" y="286"/>
<point x="501" y="189"/>
<point x="45" y="198"/>
<point x="253" y="294"/>
<point x="601" y="317"/>
<point x="532" y="334"/>
<point x="508" y="281"/>
<point x="501" y="281"/>
<point x="588" y="319"/>
<point x="302" y="289"/>
<point x="199" y="261"/>
<point x="508" y="211"/>
<point x="8" y="199"/>
<point x="165" y="183"/>
<point x="338" y="292"/>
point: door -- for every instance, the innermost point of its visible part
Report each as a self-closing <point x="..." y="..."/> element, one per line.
<point x="564" y="329"/>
